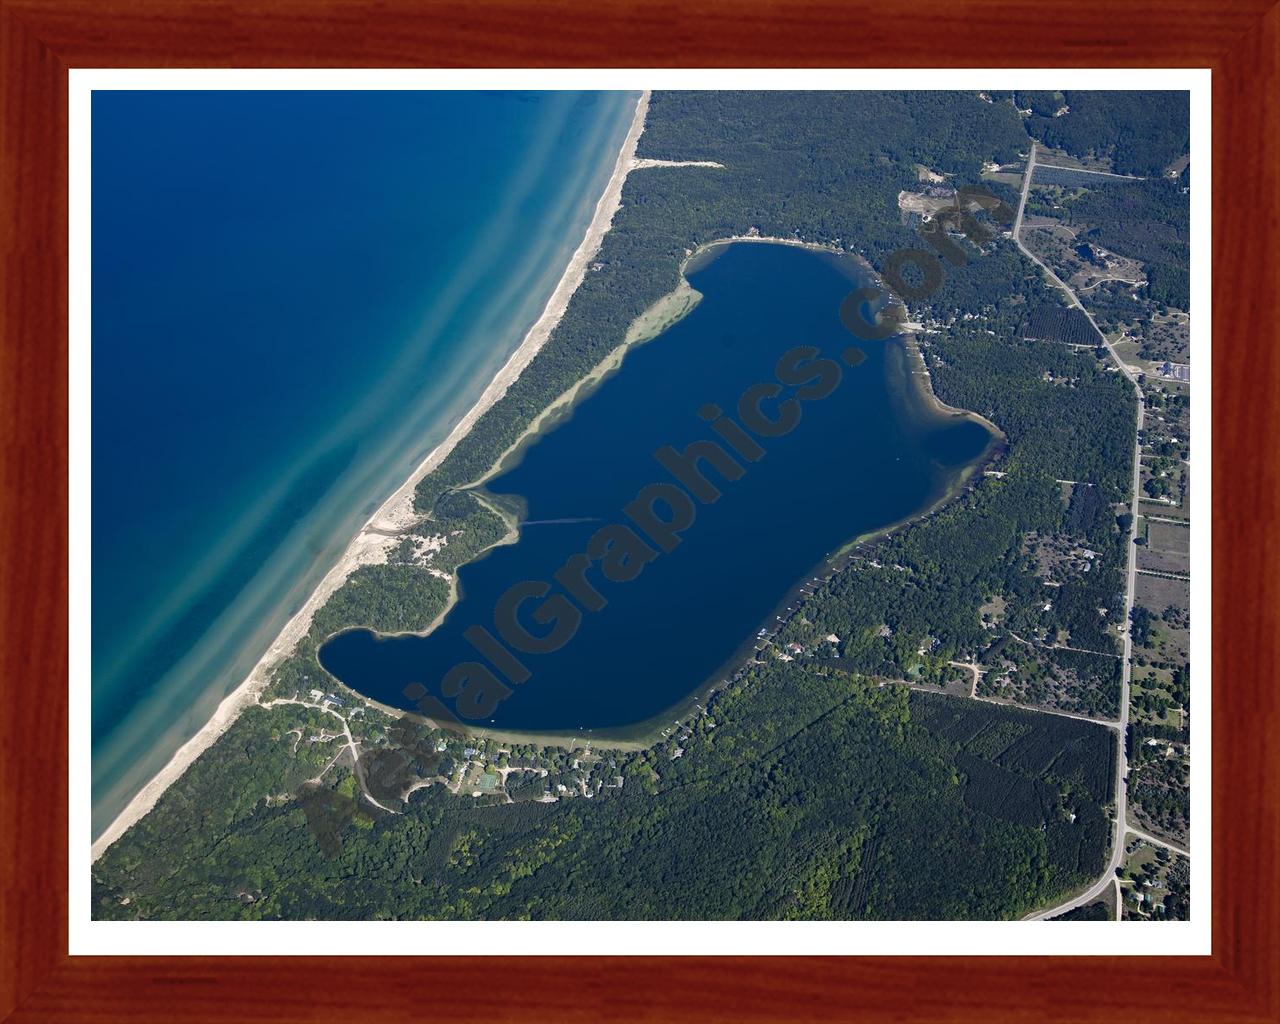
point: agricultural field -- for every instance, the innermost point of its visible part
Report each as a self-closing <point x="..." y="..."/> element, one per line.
<point x="1161" y="649"/>
<point x="1155" y="883"/>
<point x="1160" y="701"/>
<point x="1169" y="600"/>
<point x="1052" y="175"/>
<point x="1053" y="323"/>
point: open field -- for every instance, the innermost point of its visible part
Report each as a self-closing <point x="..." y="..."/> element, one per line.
<point x="1149" y="356"/>
<point x="1011" y="178"/>
<point x="1169" y="544"/>
<point x="1181" y="513"/>
<point x="1158" y="593"/>
<point x="1127" y="349"/>
<point x="926" y="206"/>
<point x="1060" y="158"/>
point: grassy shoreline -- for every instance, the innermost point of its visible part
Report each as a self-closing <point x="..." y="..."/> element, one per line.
<point x="669" y="310"/>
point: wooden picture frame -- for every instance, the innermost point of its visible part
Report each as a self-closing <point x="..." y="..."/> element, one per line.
<point x="40" y="40"/>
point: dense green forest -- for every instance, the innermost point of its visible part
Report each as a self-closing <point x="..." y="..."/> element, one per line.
<point x="1140" y="132"/>
<point x="402" y="595"/>
<point x="1147" y="220"/>
<point x="1041" y="102"/>
<point x="806" y="788"/>
<point x="803" y="793"/>
<point x="1076" y="425"/>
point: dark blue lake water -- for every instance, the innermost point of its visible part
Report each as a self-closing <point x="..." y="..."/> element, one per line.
<point x="870" y="453"/>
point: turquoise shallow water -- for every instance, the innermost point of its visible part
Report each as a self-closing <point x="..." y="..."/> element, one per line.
<point x="295" y="296"/>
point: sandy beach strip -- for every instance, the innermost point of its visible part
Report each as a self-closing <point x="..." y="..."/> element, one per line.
<point x="368" y="547"/>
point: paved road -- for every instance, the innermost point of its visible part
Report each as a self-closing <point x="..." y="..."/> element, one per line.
<point x="1122" y="761"/>
<point x="1027" y="174"/>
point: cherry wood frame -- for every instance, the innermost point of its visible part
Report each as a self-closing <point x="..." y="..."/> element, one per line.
<point x="41" y="39"/>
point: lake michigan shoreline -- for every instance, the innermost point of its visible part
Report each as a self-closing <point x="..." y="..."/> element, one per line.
<point x="397" y="512"/>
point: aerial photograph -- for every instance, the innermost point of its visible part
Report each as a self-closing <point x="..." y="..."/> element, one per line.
<point x="580" y="505"/>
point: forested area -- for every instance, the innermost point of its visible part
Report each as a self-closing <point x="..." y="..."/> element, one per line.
<point x="1140" y="132"/>
<point x="1066" y="418"/>
<point x="400" y="595"/>
<point x="803" y="793"/>
<point x="807" y="790"/>
<point x="387" y="598"/>
<point x="1041" y="102"/>
<point x="1098" y="911"/>
<point x="1146" y="220"/>
<point x="1076" y="425"/>
<point x="997" y="284"/>
<point x="1159" y="778"/>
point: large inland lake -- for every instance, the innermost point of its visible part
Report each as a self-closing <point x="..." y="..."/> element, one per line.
<point x="870" y="452"/>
